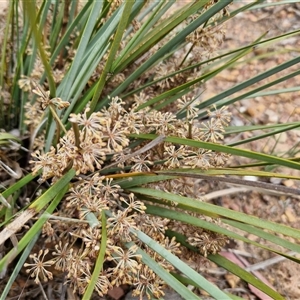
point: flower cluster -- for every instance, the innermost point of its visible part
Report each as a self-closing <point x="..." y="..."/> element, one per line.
<point x="74" y="253"/>
<point x="105" y="133"/>
<point x="208" y="37"/>
<point x="86" y="147"/>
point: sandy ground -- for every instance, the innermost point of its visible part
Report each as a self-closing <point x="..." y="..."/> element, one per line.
<point x="3" y="4"/>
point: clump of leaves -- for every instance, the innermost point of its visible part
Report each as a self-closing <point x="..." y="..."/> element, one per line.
<point x="95" y="82"/>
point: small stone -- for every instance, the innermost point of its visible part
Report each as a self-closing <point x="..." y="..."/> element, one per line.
<point x="289" y="212"/>
<point x="288" y="182"/>
<point x="286" y="23"/>
<point x="283" y="137"/>
<point x="251" y="111"/>
<point x="275" y="180"/>
<point x="232" y="280"/>
<point x="116" y="293"/>
<point x="250" y="178"/>
<point x="256" y="110"/>
<point x="272" y="116"/>
<point x="284" y="218"/>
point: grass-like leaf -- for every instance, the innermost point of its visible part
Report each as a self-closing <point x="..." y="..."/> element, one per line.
<point x="33" y="231"/>
<point x="180" y="265"/>
<point x="99" y="263"/>
<point x="183" y="217"/>
<point x="231" y="267"/>
<point x="36" y="206"/>
<point x="19" y="266"/>
<point x="226" y="149"/>
<point x="210" y="209"/>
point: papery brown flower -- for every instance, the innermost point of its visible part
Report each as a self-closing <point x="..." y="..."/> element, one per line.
<point x="38" y="267"/>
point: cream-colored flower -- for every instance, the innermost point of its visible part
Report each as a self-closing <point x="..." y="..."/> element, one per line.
<point x="38" y="267"/>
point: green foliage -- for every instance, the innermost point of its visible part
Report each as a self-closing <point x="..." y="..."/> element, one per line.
<point x="90" y="85"/>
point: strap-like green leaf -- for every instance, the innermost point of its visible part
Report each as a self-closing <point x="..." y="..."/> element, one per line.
<point x="182" y="267"/>
<point x="226" y="149"/>
<point x="211" y="209"/>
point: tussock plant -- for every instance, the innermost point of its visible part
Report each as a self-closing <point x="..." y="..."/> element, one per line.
<point x="105" y="139"/>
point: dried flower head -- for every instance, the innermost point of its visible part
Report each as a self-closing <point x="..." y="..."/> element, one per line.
<point x="25" y="83"/>
<point x="222" y="115"/>
<point x="212" y="130"/>
<point x="126" y="260"/>
<point x="147" y="283"/>
<point x="120" y="225"/>
<point x="61" y="256"/>
<point x="38" y="267"/>
<point x="189" y="105"/>
<point x="208" y="242"/>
